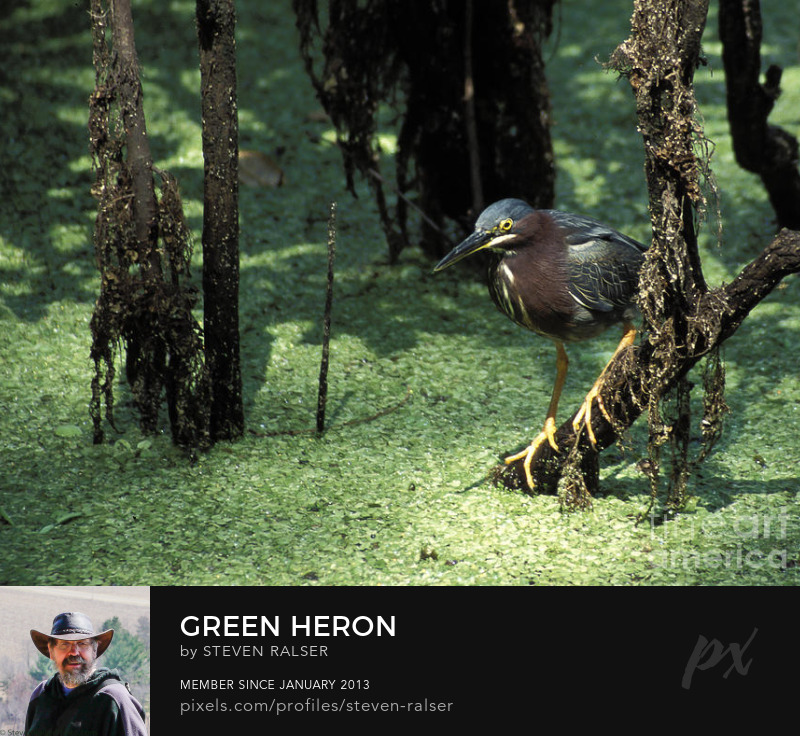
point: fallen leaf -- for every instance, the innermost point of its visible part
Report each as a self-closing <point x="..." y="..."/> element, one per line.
<point x="318" y="116"/>
<point x="256" y="169"/>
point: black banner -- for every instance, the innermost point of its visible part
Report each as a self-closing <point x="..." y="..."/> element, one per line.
<point x="232" y="659"/>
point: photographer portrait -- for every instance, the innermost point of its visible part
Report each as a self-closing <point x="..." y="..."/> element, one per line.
<point x="82" y="697"/>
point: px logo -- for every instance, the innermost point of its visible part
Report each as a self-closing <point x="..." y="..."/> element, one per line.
<point x="714" y="653"/>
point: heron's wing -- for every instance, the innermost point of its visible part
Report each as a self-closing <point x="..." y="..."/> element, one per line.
<point x="603" y="263"/>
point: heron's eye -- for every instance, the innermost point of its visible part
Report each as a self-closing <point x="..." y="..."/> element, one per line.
<point x="506" y="224"/>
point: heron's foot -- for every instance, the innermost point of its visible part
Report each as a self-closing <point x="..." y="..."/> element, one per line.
<point x="584" y="415"/>
<point x="548" y="434"/>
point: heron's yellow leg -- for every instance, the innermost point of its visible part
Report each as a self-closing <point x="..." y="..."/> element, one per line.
<point x="549" y="432"/>
<point x="584" y="415"/>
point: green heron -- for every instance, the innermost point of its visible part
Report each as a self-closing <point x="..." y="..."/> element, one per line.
<point x="563" y="276"/>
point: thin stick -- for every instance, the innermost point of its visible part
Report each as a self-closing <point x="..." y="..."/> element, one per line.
<point x="470" y="119"/>
<point x="326" y="324"/>
<point x="375" y="175"/>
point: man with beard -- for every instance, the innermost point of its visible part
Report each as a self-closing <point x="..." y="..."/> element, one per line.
<point x="80" y="698"/>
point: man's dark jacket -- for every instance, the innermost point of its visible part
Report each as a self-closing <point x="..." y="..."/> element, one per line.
<point x="102" y="706"/>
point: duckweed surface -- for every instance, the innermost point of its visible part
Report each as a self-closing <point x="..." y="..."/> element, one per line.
<point x="428" y="385"/>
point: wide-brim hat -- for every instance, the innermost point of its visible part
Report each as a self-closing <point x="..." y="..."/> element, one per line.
<point x="72" y="627"/>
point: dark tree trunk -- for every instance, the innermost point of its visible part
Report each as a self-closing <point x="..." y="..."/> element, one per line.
<point x="142" y="301"/>
<point x="512" y="99"/>
<point x="684" y="321"/>
<point x="761" y="148"/>
<point x="216" y="21"/>
<point x="145" y="358"/>
<point x="139" y="159"/>
<point x="476" y="126"/>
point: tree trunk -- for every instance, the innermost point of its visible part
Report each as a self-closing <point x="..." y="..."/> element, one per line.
<point x="142" y="301"/>
<point x="139" y="159"/>
<point x="145" y="359"/>
<point x="476" y="123"/>
<point x="761" y="148"/>
<point x="684" y="321"/>
<point x="216" y="21"/>
<point x="468" y="150"/>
